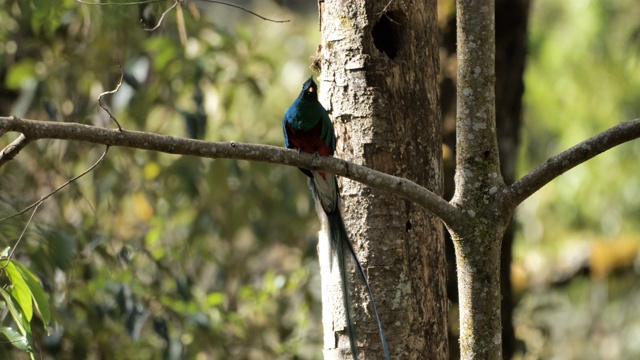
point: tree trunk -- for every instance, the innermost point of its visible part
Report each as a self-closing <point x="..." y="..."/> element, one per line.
<point x="511" y="48"/>
<point x="379" y="80"/>
<point x="480" y="191"/>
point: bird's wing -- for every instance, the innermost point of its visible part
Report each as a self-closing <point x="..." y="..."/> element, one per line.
<point x="287" y="142"/>
<point x="328" y="133"/>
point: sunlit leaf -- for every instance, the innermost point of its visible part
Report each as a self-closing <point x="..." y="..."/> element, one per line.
<point x="20" y="290"/>
<point x="17" y="314"/>
<point x="39" y="297"/>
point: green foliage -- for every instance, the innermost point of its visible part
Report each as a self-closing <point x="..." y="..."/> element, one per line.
<point x="21" y="72"/>
<point x="582" y="77"/>
<point x="25" y="341"/>
<point x="153" y="255"/>
<point x="34" y="288"/>
<point x="25" y="290"/>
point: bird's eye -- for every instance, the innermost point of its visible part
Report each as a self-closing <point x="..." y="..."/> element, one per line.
<point x="310" y="90"/>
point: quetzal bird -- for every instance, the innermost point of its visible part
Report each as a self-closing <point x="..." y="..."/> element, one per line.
<point x="307" y="127"/>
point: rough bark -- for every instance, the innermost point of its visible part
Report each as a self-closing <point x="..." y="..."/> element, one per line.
<point x="379" y="80"/>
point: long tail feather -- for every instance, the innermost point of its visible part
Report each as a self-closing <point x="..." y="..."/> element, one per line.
<point x="339" y="240"/>
<point x="385" y="346"/>
<point x="336" y="246"/>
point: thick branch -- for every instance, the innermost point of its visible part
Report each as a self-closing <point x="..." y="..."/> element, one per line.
<point x="572" y="157"/>
<point x="34" y="129"/>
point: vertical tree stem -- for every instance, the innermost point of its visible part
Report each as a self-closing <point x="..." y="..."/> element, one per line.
<point x="479" y="185"/>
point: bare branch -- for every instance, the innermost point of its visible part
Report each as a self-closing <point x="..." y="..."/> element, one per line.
<point x="11" y="150"/>
<point x="34" y="130"/>
<point x="42" y="199"/>
<point x="572" y="157"/>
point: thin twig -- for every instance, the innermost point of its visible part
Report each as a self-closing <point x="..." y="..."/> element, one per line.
<point x="570" y="158"/>
<point x="162" y="16"/>
<point x="117" y="4"/>
<point x="42" y="199"/>
<point x="245" y="10"/>
<point x="24" y="230"/>
<point x="175" y="4"/>
<point x="386" y="14"/>
<point x="112" y="92"/>
<point x="386" y="7"/>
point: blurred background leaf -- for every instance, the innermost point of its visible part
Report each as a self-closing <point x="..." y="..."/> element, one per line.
<point x="576" y="260"/>
<point x="153" y="255"/>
